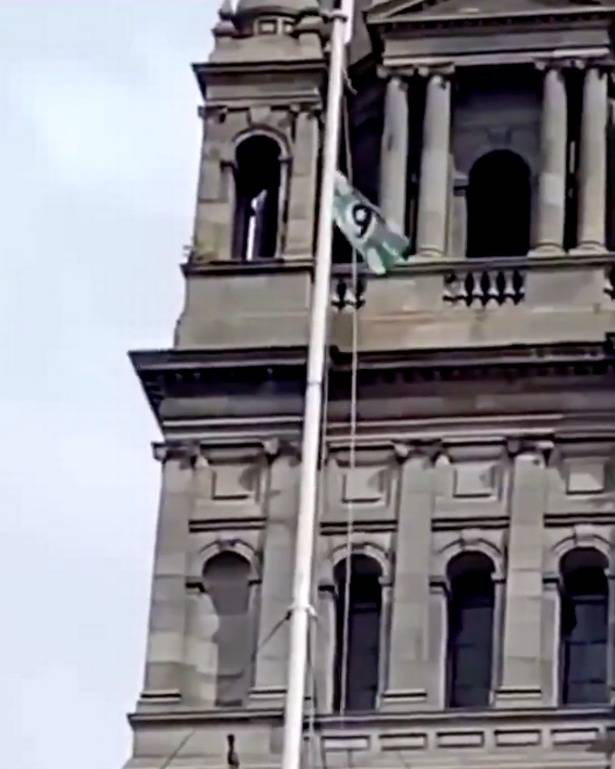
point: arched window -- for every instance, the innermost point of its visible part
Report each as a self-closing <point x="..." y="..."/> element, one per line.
<point x="584" y="627"/>
<point x="499" y="206"/>
<point x="360" y="636"/>
<point x="226" y="581"/>
<point x="258" y="177"/>
<point x="470" y="631"/>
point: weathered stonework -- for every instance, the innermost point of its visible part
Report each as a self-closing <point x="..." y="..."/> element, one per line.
<point x="486" y="397"/>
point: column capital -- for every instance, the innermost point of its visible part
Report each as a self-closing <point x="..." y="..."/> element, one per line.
<point x="528" y="447"/>
<point x="429" y="450"/>
<point x="442" y="73"/>
<point x="183" y="451"/>
<point x="388" y="74"/>
<point x="579" y="63"/>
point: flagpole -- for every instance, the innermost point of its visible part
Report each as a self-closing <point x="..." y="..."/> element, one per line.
<point x="301" y="609"/>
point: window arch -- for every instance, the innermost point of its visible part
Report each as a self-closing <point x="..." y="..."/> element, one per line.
<point x="362" y="663"/>
<point x="258" y="182"/>
<point x="584" y="627"/>
<point x="470" y="630"/>
<point x="499" y="206"/>
<point x="226" y="579"/>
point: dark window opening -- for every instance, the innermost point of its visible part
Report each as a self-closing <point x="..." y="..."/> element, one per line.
<point x="226" y="581"/>
<point x="584" y="628"/>
<point x="574" y="90"/>
<point x="257" y="205"/>
<point x="499" y="206"/>
<point x="363" y="635"/>
<point x="470" y="636"/>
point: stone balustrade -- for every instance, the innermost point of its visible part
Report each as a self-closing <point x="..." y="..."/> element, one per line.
<point x="483" y="286"/>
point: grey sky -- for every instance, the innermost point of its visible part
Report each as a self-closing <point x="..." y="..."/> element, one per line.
<point x="98" y="155"/>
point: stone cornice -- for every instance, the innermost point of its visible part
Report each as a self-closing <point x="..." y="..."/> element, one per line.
<point x="189" y="374"/>
<point x="385" y="17"/>
<point x="311" y="70"/>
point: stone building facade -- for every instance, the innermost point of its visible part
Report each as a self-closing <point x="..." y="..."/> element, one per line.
<point x="465" y="567"/>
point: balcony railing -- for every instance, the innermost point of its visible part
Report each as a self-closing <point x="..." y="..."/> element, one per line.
<point x="481" y="286"/>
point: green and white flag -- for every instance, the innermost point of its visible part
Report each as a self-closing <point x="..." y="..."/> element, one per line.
<point x="366" y="229"/>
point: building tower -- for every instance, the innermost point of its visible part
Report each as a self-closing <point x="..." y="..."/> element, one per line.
<point x="465" y="566"/>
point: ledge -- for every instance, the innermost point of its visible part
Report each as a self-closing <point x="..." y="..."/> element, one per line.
<point x="281" y="371"/>
<point x="190" y="715"/>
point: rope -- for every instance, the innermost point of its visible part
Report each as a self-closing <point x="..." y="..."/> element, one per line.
<point x="177" y="749"/>
<point x="353" y="431"/>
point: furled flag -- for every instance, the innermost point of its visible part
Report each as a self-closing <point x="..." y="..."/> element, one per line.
<point x="366" y="229"/>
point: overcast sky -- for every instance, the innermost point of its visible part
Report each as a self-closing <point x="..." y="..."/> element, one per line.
<point x="99" y="145"/>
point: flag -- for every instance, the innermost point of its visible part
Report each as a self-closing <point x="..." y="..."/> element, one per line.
<point x="366" y="229"/>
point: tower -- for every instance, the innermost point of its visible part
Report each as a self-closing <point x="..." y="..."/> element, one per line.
<point x="464" y="566"/>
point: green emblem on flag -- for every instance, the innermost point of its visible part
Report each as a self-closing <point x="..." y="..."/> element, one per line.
<point x="366" y="229"/>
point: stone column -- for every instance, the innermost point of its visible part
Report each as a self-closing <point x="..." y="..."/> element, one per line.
<point x="394" y="154"/>
<point x="551" y="206"/>
<point x="592" y="162"/>
<point x="409" y="642"/>
<point x="302" y="185"/>
<point x="164" y="666"/>
<point x="522" y="644"/>
<point x="434" y="181"/>
<point x="281" y="510"/>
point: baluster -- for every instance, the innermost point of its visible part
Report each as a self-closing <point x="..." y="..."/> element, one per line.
<point x="452" y="288"/>
<point x="469" y="285"/>
<point x="518" y="281"/>
<point x="500" y="287"/>
<point x="485" y="287"/>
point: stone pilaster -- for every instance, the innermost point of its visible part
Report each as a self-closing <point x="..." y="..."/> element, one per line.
<point x="522" y="646"/>
<point x="164" y="666"/>
<point x="409" y="642"/>
<point x="434" y="181"/>
<point x="592" y="163"/>
<point x="551" y="206"/>
<point x="394" y="154"/>
<point x="611" y="637"/>
<point x="325" y="647"/>
<point x="438" y="637"/>
<point x="275" y="596"/>
<point x="302" y="198"/>
<point x="550" y="657"/>
<point x="499" y="603"/>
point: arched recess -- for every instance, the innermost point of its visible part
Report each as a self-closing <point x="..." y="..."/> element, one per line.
<point x="358" y="633"/>
<point x="259" y="177"/>
<point x="584" y="627"/>
<point x="499" y="202"/>
<point x="470" y="630"/>
<point x="226" y="582"/>
<point x="239" y="547"/>
<point x="468" y="542"/>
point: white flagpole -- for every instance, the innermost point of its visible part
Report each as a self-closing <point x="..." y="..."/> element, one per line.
<point x="306" y="521"/>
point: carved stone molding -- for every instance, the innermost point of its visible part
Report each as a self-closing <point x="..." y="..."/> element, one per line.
<point x="542" y="448"/>
<point x="182" y="451"/>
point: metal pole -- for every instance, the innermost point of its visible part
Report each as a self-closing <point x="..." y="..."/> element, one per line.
<point x="312" y="415"/>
